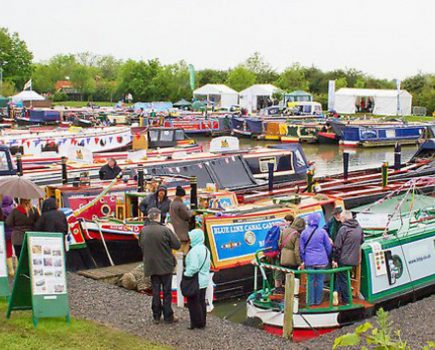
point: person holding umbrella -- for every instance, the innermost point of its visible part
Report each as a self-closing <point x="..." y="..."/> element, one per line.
<point x="21" y="220"/>
<point x="24" y="216"/>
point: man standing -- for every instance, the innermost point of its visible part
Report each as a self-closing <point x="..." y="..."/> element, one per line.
<point x="110" y="170"/>
<point x="157" y="242"/>
<point x="180" y="218"/>
<point x="158" y="200"/>
<point x="334" y="223"/>
<point x="347" y="252"/>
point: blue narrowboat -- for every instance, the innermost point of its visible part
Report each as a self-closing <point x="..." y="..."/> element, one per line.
<point x="375" y="136"/>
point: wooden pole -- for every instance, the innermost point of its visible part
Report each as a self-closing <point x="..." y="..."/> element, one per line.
<point x="287" y="330"/>
<point x="180" y="268"/>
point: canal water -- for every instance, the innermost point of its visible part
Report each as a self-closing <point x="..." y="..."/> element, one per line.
<point x="328" y="161"/>
<point x="329" y="158"/>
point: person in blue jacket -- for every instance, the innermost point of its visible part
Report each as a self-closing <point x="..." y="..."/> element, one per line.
<point x="315" y="249"/>
<point x="198" y="260"/>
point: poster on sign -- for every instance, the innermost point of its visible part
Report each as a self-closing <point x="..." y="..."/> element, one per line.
<point x="47" y="264"/>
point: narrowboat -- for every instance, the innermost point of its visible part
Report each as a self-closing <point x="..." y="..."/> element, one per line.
<point x="397" y="266"/>
<point x="39" y="117"/>
<point x="195" y="125"/>
<point x="377" y="134"/>
<point x="36" y="142"/>
<point x="234" y="232"/>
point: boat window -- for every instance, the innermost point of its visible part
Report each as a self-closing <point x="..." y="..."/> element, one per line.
<point x="179" y="135"/>
<point x="166" y="135"/>
<point x="263" y="162"/>
<point x="50" y="147"/>
<point x="153" y="135"/>
<point x="300" y="161"/>
<point x="4" y="165"/>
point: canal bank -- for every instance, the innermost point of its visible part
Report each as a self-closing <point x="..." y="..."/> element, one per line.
<point x="131" y="312"/>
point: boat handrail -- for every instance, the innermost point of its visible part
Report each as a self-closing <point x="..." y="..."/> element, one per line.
<point x="331" y="272"/>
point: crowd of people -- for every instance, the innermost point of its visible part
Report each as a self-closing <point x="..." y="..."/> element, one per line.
<point x="22" y="217"/>
<point x="158" y="239"/>
<point x="304" y="244"/>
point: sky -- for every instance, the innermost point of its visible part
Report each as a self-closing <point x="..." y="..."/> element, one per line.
<point x="385" y="38"/>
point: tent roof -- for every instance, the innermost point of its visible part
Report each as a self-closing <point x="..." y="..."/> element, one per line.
<point x="369" y="92"/>
<point x="298" y="93"/>
<point x="182" y="102"/>
<point x="27" y="96"/>
<point x="214" y="89"/>
<point x="260" y="89"/>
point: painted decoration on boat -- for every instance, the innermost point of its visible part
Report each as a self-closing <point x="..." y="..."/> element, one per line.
<point x="234" y="240"/>
<point x="404" y="264"/>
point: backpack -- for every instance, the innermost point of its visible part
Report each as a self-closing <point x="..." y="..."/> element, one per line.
<point x="271" y="242"/>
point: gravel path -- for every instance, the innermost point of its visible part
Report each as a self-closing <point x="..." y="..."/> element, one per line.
<point x="131" y="311"/>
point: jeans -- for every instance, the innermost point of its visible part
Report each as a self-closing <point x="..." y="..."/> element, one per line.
<point x="342" y="286"/>
<point x="158" y="282"/>
<point x="197" y="309"/>
<point x="315" y="285"/>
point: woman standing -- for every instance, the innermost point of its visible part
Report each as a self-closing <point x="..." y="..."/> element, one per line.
<point x="198" y="261"/>
<point x="6" y="209"/>
<point x="21" y="220"/>
<point x="315" y="248"/>
<point x="289" y="241"/>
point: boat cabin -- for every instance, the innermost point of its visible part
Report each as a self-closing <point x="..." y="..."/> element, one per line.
<point x="7" y="166"/>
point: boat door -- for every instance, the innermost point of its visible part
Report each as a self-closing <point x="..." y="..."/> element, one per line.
<point x="7" y="167"/>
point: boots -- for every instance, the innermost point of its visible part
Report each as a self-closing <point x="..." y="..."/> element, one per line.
<point x="9" y="263"/>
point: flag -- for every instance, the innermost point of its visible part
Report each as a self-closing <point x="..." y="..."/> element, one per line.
<point x="28" y="85"/>
<point x="192" y="76"/>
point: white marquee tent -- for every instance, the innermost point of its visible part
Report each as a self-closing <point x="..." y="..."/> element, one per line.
<point x="27" y="95"/>
<point x="251" y="96"/>
<point x="382" y="102"/>
<point x="221" y="95"/>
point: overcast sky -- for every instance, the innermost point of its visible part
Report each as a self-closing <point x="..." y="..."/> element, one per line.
<point x="385" y="38"/>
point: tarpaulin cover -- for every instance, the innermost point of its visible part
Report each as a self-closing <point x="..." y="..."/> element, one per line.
<point x="156" y="106"/>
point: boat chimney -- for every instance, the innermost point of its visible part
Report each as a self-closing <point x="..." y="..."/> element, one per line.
<point x="19" y="165"/>
<point x="397" y="156"/>
<point x="310" y="176"/>
<point x="64" y="171"/>
<point x="193" y="193"/>
<point x="140" y="178"/>
<point x="270" y="167"/>
<point x="384" y="174"/>
<point x="345" y="165"/>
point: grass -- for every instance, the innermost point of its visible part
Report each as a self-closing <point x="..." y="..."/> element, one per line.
<point x="78" y="104"/>
<point x="18" y="333"/>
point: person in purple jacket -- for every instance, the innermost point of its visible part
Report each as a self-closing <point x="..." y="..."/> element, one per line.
<point x="315" y="248"/>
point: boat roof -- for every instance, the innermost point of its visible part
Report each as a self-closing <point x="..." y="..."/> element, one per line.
<point x="413" y="202"/>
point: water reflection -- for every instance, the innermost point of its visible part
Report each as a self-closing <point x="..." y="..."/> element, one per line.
<point x="328" y="158"/>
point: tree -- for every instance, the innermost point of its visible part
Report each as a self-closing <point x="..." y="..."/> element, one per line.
<point x="240" y="78"/>
<point x="293" y="78"/>
<point x="262" y="69"/>
<point x="82" y="79"/>
<point x="340" y="83"/>
<point x="211" y="76"/>
<point x="15" y="59"/>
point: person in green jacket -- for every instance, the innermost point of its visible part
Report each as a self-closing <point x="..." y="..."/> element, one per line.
<point x="198" y="261"/>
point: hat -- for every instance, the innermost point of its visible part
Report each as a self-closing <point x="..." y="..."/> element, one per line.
<point x="337" y="210"/>
<point x="299" y="224"/>
<point x="153" y="213"/>
<point x="180" y="192"/>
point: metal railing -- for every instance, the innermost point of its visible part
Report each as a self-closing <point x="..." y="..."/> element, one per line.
<point x="268" y="290"/>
